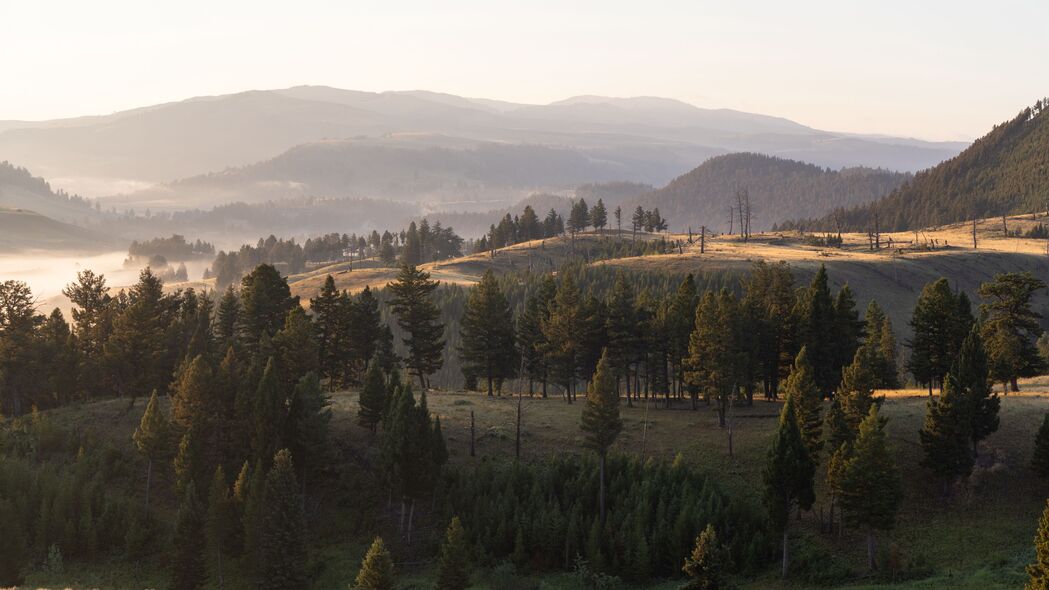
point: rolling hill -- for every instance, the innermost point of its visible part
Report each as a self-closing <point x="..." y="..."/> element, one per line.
<point x="19" y="189"/>
<point x="779" y="189"/>
<point x="1004" y="172"/>
<point x="649" y="139"/>
<point x="22" y="230"/>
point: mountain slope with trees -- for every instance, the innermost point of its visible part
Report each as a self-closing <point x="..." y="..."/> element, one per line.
<point x="778" y="189"/>
<point x="1004" y="172"/>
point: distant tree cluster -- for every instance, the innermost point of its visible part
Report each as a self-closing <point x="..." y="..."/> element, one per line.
<point x="174" y="248"/>
<point x="521" y="228"/>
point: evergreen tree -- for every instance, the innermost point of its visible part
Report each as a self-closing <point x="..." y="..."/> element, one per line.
<point x="1040" y="460"/>
<point x="563" y="331"/>
<point x="947" y="433"/>
<point x="136" y="352"/>
<point x="93" y="314"/>
<point x="193" y="402"/>
<point x="306" y="430"/>
<point x="152" y="438"/>
<point x="531" y="341"/>
<point x="600" y="421"/>
<point x="367" y="330"/>
<point x="858" y="382"/>
<point x="372" y="398"/>
<point x="808" y="404"/>
<point x="282" y="542"/>
<point x="418" y="316"/>
<point x="705" y="566"/>
<point x="599" y="215"/>
<point x="376" y="571"/>
<point x="265" y="303"/>
<point x="971" y="373"/>
<point x="870" y="492"/>
<point x="218" y="527"/>
<point x="1012" y="327"/>
<point x="187" y="565"/>
<point x="227" y="319"/>
<point x="1038" y="572"/>
<point x="936" y="322"/>
<point x="487" y="334"/>
<point x="816" y="324"/>
<point x="268" y="414"/>
<point x="788" y="477"/>
<point x="329" y="329"/>
<point x="848" y="329"/>
<point x="453" y="567"/>
<point x="880" y="336"/>
<point x="623" y="329"/>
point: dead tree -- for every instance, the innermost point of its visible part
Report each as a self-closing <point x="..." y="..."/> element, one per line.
<point x="974" y="234"/>
<point x="702" y="239"/>
<point x="1005" y="227"/>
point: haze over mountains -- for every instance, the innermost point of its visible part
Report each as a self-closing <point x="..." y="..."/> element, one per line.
<point x="420" y="146"/>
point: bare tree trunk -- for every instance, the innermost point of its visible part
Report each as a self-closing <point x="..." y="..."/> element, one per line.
<point x="411" y="517"/>
<point x="602" y="494"/>
<point x="870" y="550"/>
<point x="472" y="434"/>
<point x="517" y="441"/>
<point x="149" y="478"/>
<point x="786" y="553"/>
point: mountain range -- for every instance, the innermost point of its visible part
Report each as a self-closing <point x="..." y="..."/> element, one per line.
<point x="420" y="146"/>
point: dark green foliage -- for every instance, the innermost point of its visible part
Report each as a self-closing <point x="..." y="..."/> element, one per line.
<point x="1038" y="572"/>
<point x="856" y="394"/>
<point x="135" y="358"/>
<point x="971" y="373"/>
<point x="306" y="429"/>
<point x="1040" y="460"/>
<point x="187" y="566"/>
<point x="487" y="347"/>
<point x="817" y="321"/>
<point x="941" y="320"/>
<point x="420" y="319"/>
<point x="947" y="433"/>
<point x="218" y="528"/>
<point x="706" y="565"/>
<point x="266" y="301"/>
<point x="1011" y="327"/>
<point x="282" y="539"/>
<point x="328" y="322"/>
<point x="531" y="341"/>
<point x="372" y="398"/>
<point x="880" y="335"/>
<point x="870" y="489"/>
<point x="268" y="413"/>
<point x="665" y="505"/>
<point x="849" y="331"/>
<point x="601" y="423"/>
<point x="1003" y="172"/>
<point x="801" y="389"/>
<point x="376" y="571"/>
<point x="453" y="566"/>
<point x="789" y="470"/>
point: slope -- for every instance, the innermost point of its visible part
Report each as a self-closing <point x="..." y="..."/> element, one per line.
<point x="22" y="230"/>
<point x="1004" y="172"/>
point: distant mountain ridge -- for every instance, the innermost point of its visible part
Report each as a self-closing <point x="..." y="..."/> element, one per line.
<point x="779" y="190"/>
<point x="650" y="139"/>
<point x="1004" y="172"/>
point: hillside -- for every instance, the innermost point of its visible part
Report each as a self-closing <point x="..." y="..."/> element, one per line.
<point x="1004" y="172"/>
<point x="652" y="139"/>
<point x="779" y="189"/>
<point x="19" y="189"/>
<point x="22" y="230"/>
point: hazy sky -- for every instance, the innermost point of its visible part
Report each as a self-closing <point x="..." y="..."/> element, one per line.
<point x="925" y="68"/>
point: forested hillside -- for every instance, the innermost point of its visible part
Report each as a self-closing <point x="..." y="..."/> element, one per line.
<point x="1004" y="172"/>
<point x="778" y="189"/>
<point x="19" y="189"/>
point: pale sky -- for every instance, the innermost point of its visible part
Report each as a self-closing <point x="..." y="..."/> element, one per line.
<point x="932" y="69"/>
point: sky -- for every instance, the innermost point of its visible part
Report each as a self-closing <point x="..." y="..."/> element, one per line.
<point x="929" y="69"/>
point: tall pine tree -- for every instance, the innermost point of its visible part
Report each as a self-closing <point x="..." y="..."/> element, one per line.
<point x="487" y="334"/>
<point x="418" y="316"/>
<point x="788" y="477"/>
<point x="601" y="423"/>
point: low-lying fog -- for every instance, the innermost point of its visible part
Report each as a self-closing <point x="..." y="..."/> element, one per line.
<point x="48" y="273"/>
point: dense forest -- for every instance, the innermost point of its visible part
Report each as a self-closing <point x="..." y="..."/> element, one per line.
<point x="778" y="189"/>
<point x="1004" y="172"/>
<point x="237" y="454"/>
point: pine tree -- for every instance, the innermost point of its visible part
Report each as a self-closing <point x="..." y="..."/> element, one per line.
<point x="788" y="477"/>
<point x="816" y="324"/>
<point x="453" y="567"/>
<point x="600" y="421"/>
<point x="705" y="566"/>
<point x="487" y="334"/>
<point x="187" y="565"/>
<point x="193" y="402"/>
<point x="268" y="414"/>
<point x="946" y="435"/>
<point x="808" y="405"/>
<point x="227" y="319"/>
<point x="282" y="542"/>
<point x="152" y="438"/>
<point x="848" y="329"/>
<point x="623" y="329"/>
<point x="265" y="303"/>
<point x="1011" y="326"/>
<point x="531" y="341"/>
<point x="328" y="325"/>
<point x="871" y="492"/>
<point x="306" y="430"/>
<point x="418" y="316"/>
<point x="563" y="331"/>
<point x="1040" y="460"/>
<point x="372" y="398"/>
<point x="971" y="373"/>
<point x="218" y="527"/>
<point x="376" y="571"/>
<point x="858" y="382"/>
<point x="599" y="215"/>
<point x="936" y="322"/>
<point x="1038" y="572"/>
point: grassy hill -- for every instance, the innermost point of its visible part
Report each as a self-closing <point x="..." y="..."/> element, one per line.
<point x="1004" y="172"/>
